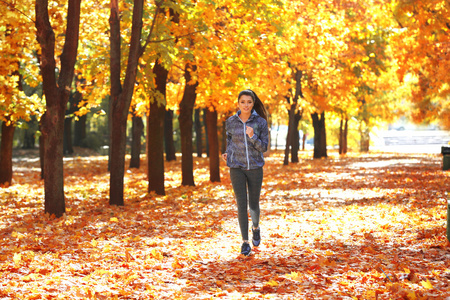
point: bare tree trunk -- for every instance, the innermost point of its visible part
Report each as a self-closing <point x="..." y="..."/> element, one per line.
<point x="295" y="142"/>
<point x="198" y="133"/>
<point x="343" y="131"/>
<point x="42" y="147"/>
<point x="155" y="134"/>
<point x="214" y="162"/>
<point x="341" y="136"/>
<point x="223" y="138"/>
<point x="168" y="136"/>
<point x="344" y="146"/>
<point x="80" y="124"/>
<point x="294" y="115"/>
<point x="7" y="138"/>
<point x="290" y="132"/>
<point x="185" y="118"/>
<point x="57" y="95"/>
<point x="80" y="131"/>
<point x="205" y="112"/>
<point x="320" y="139"/>
<point x="136" y="132"/>
<point x="365" y="138"/>
<point x="304" y="140"/>
<point x="6" y="148"/>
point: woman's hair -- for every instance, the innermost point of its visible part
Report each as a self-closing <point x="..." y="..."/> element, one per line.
<point x="258" y="106"/>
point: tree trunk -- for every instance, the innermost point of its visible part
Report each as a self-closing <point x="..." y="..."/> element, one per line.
<point x="293" y="123"/>
<point x="303" y="140"/>
<point x="223" y="138"/>
<point x="121" y="98"/>
<point x="56" y="96"/>
<point x="345" y="139"/>
<point x="186" y="110"/>
<point x="205" y="112"/>
<point x="320" y="139"/>
<point x="168" y="136"/>
<point x="7" y="138"/>
<point x="155" y="134"/>
<point x="28" y="139"/>
<point x="198" y="133"/>
<point x="365" y="138"/>
<point x="214" y="162"/>
<point x="80" y="124"/>
<point x="6" y="153"/>
<point x="343" y="130"/>
<point x="79" y="131"/>
<point x="136" y="133"/>
<point x="42" y="146"/>
<point x="295" y="142"/>
<point x="68" y="137"/>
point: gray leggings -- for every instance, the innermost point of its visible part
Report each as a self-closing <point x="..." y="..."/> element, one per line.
<point x="241" y="181"/>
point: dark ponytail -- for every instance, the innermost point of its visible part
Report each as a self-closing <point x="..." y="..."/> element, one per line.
<point x="258" y="106"/>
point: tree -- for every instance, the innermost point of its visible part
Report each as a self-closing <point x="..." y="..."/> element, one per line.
<point x="18" y="69"/>
<point x="121" y="96"/>
<point x="56" y="93"/>
<point x="320" y="137"/>
<point x="155" y="134"/>
<point x="422" y="50"/>
<point x="185" y="118"/>
<point x="295" y="114"/>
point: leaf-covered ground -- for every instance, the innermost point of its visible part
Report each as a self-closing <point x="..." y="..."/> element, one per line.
<point x="356" y="227"/>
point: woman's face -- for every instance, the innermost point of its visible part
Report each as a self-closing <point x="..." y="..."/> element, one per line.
<point x="245" y="103"/>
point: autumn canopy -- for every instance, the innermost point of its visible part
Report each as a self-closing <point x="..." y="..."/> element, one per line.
<point x="157" y="79"/>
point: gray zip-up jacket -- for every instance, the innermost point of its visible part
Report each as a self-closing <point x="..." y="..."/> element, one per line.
<point x="243" y="151"/>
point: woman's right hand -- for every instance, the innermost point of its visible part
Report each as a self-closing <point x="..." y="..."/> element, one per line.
<point x="224" y="156"/>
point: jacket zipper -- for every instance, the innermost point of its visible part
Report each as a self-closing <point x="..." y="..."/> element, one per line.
<point x="246" y="148"/>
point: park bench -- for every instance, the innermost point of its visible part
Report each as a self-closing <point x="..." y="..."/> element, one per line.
<point x="446" y="153"/>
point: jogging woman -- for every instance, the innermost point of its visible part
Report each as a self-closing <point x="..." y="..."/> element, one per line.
<point x="247" y="140"/>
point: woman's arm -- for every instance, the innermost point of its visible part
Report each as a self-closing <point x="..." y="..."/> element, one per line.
<point x="261" y="141"/>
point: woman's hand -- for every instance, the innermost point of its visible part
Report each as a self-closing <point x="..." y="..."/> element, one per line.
<point x="224" y="156"/>
<point x="249" y="131"/>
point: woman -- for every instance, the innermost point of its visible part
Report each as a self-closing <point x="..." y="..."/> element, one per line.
<point x="247" y="140"/>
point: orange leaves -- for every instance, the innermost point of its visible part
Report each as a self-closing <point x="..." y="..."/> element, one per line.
<point x="345" y="227"/>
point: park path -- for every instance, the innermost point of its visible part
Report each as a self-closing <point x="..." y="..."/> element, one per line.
<point x="363" y="226"/>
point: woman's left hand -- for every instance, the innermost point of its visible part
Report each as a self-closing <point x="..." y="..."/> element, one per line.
<point x="249" y="131"/>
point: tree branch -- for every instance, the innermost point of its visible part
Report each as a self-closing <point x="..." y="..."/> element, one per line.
<point x="177" y="37"/>
<point x="147" y="41"/>
<point x="19" y="11"/>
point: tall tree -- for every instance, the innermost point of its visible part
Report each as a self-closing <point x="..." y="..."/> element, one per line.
<point x="155" y="132"/>
<point x="121" y="96"/>
<point x="18" y="69"/>
<point x="294" y="114"/>
<point x="423" y="52"/>
<point x="185" y="118"/>
<point x="56" y="95"/>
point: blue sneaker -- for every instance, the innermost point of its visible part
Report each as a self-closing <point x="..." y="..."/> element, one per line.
<point x="256" y="240"/>
<point x="246" y="249"/>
